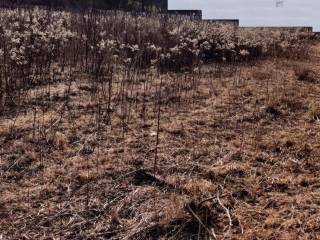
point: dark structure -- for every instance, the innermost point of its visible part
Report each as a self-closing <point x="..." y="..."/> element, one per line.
<point x="155" y="5"/>
<point x="138" y="5"/>
<point x="190" y="14"/>
<point x="306" y="29"/>
<point x="160" y="6"/>
<point x="126" y="5"/>
<point x="233" y="22"/>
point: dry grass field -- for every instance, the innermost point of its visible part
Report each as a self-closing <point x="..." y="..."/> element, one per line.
<point x="226" y="151"/>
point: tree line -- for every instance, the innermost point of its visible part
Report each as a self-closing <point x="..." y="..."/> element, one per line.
<point x="137" y="5"/>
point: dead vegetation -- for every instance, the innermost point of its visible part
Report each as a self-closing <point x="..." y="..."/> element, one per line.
<point x="240" y="165"/>
<point x="308" y="75"/>
<point x="228" y="151"/>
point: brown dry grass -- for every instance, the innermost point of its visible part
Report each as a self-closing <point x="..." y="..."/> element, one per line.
<point x="248" y="149"/>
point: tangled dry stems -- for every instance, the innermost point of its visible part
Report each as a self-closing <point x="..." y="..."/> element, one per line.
<point x="236" y="143"/>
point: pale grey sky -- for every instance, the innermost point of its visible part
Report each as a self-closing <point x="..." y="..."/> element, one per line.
<point x="257" y="12"/>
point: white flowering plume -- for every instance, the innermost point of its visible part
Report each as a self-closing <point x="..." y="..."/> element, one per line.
<point x="37" y="39"/>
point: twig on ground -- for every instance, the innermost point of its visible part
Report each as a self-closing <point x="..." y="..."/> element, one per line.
<point x="227" y="212"/>
<point x="211" y="231"/>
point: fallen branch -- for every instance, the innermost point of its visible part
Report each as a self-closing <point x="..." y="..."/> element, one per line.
<point x="227" y="212"/>
<point x="211" y="231"/>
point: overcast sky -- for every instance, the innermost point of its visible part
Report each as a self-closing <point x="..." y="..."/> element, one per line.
<point x="257" y="12"/>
